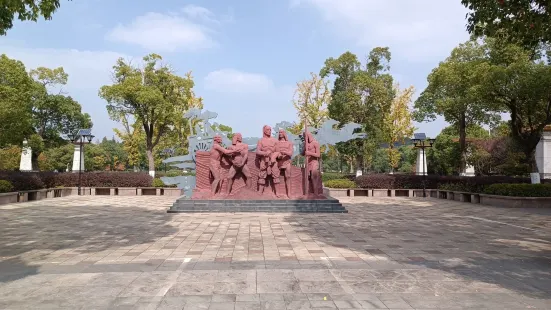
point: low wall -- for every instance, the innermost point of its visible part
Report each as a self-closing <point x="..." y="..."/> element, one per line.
<point x="368" y="192"/>
<point x="32" y="195"/>
<point x="490" y="200"/>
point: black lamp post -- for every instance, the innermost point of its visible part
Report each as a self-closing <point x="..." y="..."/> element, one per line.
<point x="80" y="136"/>
<point x="420" y="141"/>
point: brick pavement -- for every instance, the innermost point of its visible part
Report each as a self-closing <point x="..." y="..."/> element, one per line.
<point x="387" y="253"/>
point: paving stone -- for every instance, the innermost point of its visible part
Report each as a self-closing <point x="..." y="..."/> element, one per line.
<point x="101" y="252"/>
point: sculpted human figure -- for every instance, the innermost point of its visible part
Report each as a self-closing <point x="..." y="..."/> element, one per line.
<point x="216" y="153"/>
<point x="313" y="154"/>
<point x="264" y="149"/>
<point x="281" y="160"/>
<point x="239" y="161"/>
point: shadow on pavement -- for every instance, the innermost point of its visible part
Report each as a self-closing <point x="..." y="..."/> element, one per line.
<point x="493" y="248"/>
<point x="51" y="232"/>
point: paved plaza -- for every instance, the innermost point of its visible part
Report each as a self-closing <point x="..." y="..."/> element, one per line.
<point x="387" y="253"/>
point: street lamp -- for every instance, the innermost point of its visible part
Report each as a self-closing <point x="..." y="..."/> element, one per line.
<point x="80" y="136"/>
<point x="420" y="141"/>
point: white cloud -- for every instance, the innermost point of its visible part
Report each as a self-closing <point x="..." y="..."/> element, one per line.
<point x="420" y="29"/>
<point x="199" y="12"/>
<point x="189" y="30"/>
<point x="247" y="101"/>
<point x="235" y="81"/>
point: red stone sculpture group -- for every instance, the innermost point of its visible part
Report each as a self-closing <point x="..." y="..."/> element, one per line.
<point x="236" y="173"/>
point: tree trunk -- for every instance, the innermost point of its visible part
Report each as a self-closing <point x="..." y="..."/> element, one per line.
<point x="530" y="153"/>
<point x="151" y="162"/>
<point x="359" y="163"/>
<point x="462" y="143"/>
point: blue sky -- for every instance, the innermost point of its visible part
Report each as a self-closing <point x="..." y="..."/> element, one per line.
<point x="246" y="56"/>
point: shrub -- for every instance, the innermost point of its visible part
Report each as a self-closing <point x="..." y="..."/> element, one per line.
<point x="462" y="187"/>
<point x="172" y="173"/>
<point x="398" y="181"/>
<point x="5" y="186"/>
<point x="37" y="180"/>
<point x="340" y="183"/>
<point x="327" y="176"/>
<point x="158" y="183"/>
<point x="519" y="190"/>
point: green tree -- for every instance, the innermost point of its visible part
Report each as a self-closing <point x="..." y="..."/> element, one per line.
<point x="115" y="156"/>
<point x="151" y="95"/>
<point x="522" y="87"/>
<point x="360" y="94"/>
<point x="10" y="157"/>
<point x="57" y="158"/>
<point x="454" y="92"/>
<point x="381" y="161"/>
<point x="408" y="158"/>
<point x="54" y="115"/>
<point x="526" y="22"/>
<point x="16" y="93"/>
<point x="25" y="10"/>
<point x="501" y="129"/>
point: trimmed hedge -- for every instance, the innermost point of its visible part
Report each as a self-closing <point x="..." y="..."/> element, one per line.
<point x="38" y="180"/>
<point x="339" y="183"/>
<point x="5" y="186"/>
<point x="172" y="173"/>
<point x="464" y="184"/>
<point x="519" y="190"/>
<point x="328" y="176"/>
<point x="159" y="183"/>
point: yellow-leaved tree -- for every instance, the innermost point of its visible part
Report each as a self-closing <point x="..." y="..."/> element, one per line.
<point x="398" y="123"/>
<point x="311" y="98"/>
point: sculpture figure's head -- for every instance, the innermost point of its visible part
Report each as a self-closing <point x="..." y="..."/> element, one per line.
<point x="237" y="138"/>
<point x="283" y="135"/>
<point x="217" y="139"/>
<point x="267" y="130"/>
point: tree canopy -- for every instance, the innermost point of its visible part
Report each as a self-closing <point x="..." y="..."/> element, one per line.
<point x="455" y="92"/>
<point x="153" y="96"/>
<point x="525" y="22"/>
<point x="25" y="10"/>
<point x="360" y="94"/>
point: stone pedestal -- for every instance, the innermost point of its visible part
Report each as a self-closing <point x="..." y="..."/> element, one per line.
<point x="543" y="154"/>
<point x="421" y="166"/>
<point x="26" y="163"/>
<point x="78" y="159"/>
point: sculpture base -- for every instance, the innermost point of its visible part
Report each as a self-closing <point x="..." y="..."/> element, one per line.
<point x="183" y="205"/>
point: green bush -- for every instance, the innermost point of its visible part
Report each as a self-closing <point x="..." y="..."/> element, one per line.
<point x="339" y="183"/>
<point x="328" y="176"/>
<point x="158" y="183"/>
<point x="5" y="186"/>
<point x="461" y="187"/>
<point x="519" y="190"/>
<point x="173" y="173"/>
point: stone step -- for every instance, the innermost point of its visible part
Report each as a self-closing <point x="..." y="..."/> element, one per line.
<point x="309" y="206"/>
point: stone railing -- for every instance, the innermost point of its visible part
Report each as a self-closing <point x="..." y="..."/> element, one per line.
<point x="39" y="194"/>
<point x="475" y="198"/>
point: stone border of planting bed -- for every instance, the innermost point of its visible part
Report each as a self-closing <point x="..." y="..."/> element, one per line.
<point x="368" y="192"/>
<point x="485" y="199"/>
<point x="39" y="194"/>
<point x="497" y="200"/>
